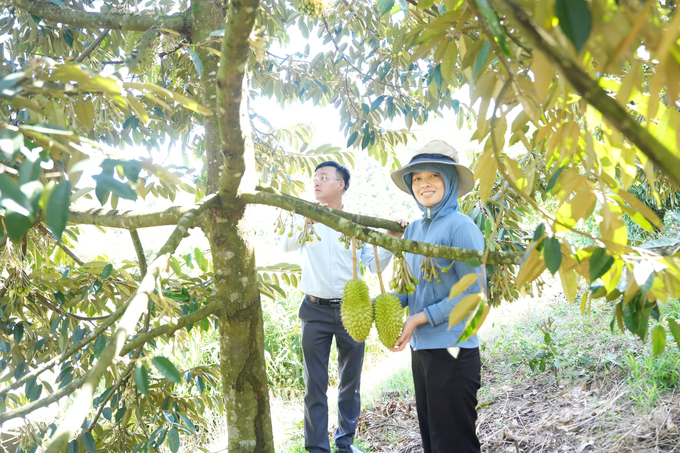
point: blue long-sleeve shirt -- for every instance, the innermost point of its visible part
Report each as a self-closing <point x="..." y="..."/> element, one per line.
<point x="326" y="263"/>
<point x="441" y="224"/>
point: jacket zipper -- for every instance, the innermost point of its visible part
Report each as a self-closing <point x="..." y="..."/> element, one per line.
<point x="428" y="213"/>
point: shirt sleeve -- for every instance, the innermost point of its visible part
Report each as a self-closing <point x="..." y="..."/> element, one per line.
<point x="291" y="242"/>
<point x="466" y="236"/>
<point x="368" y="258"/>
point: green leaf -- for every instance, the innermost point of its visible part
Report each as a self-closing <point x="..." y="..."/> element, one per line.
<point x="481" y="59"/>
<point x="575" y="20"/>
<point x="200" y="382"/>
<point x="107" y="183"/>
<point x="18" y="332"/>
<point x="68" y="37"/>
<point x="539" y="232"/>
<point x="554" y="178"/>
<point x="10" y="141"/>
<point x="88" y="442"/>
<point x="552" y="254"/>
<point x="173" y="440"/>
<point x="142" y="379"/>
<point x="189" y="424"/>
<point x="674" y="327"/>
<point x="197" y="61"/>
<point x="494" y="25"/>
<point x="12" y="198"/>
<point x="600" y="263"/>
<point x="99" y="345"/>
<point x="120" y="414"/>
<point x="403" y="5"/>
<point x="167" y="369"/>
<point x="73" y="447"/>
<point x="385" y="5"/>
<point x="106" y="273"/>
<point x="658" y="339"/>
<point x="352" y="138"/>
<point x="58" y="209"/>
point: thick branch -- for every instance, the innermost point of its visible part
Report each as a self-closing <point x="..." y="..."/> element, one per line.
<point x="232" y="106"/>
<point x="331" y="218"/>
<point x="373" y="222"/>
<point x="126" y="327"/>
<point x="129" y="220"/>
<point x="92" y="46"/>
<point x="665" y="160"/>
<point x="137" y="242"/>
<point x="114" y="21"/>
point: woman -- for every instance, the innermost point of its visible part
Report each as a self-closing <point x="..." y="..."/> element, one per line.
<point x="446" y="373"/>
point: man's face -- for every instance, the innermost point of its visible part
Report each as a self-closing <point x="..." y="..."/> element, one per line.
<point x="328" y="184"/>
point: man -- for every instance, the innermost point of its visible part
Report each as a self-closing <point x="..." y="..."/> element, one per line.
<point x="326" y="267"/>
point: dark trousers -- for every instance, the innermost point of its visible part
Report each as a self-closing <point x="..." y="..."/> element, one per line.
<point x="319" y="326"/>
<point x="446" y="399"/>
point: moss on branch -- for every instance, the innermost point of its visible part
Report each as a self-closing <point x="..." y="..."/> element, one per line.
<point x="113" y="21"/>
<point x="333" y="219"/>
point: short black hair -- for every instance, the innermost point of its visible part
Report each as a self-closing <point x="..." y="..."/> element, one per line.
<point x="344" y="172"/>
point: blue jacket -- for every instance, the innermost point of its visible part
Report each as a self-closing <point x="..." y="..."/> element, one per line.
<point x="441" y="224"/>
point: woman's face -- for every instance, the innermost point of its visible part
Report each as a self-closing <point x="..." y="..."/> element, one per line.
<point x="428" y="187"/>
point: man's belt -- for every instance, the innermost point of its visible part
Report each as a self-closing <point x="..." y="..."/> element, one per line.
<point x="323" y="302"/>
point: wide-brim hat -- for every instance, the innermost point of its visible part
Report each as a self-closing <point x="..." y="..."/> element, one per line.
<point x="437" y="152"/>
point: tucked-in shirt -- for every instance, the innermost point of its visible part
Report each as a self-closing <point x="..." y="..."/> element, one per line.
<point x="326" y="263"/>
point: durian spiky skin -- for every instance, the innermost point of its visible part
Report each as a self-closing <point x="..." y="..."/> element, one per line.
<point x="356" y="310"/>
<point x="389" y="318"/>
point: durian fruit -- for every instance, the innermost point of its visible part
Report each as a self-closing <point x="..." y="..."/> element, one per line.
<point x="389" y="318"/>
<point x="356" y="310"/>
<point x="315" y="8"/>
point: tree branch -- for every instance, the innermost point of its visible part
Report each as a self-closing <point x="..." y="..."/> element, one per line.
<point x="43" y="300"/>
<point x="232" y="108"/>
<point x="665" y="160"/>
<point x="169" y="329"/>
<point x="83" y="402"/>
<point x="92" y="46"/>
<point x="113" y="21"/>
<point x="66" y="250"/>
<point x="137" y="242"/>
<point x="333" y="219"/>
<point x="129" y="220"/>
<point x="145" y="41"/>
<point x="373" y="222"/>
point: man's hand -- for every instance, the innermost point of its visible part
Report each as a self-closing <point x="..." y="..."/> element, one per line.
<point x="407" y="331"/>
<point x="325" y="205"/>
<point x="404" y="223"/>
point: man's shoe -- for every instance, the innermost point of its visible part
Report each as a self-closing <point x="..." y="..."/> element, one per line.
<point x="347" y="449"/>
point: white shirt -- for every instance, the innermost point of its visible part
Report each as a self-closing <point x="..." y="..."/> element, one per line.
<point x="326" y="263"/>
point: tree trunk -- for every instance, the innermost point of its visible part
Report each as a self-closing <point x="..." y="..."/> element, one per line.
<point x="242" y="363"/>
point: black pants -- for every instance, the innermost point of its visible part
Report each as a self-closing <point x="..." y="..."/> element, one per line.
<point x="319" y="326"/>
<point x="446" y="399"/>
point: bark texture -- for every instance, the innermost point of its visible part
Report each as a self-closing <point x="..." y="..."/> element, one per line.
<point x="229" y="151"/>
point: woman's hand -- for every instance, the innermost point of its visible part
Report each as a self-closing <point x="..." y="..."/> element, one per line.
<point x="404" y="223"/>
<point x="407" y="331"/>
